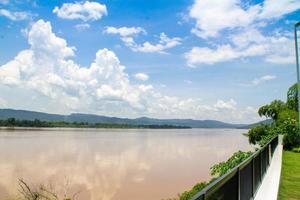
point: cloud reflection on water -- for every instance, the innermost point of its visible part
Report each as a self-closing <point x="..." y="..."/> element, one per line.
<point x="110" y="164"/>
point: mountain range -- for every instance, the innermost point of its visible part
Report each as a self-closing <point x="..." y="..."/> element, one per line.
<point x="90" y="118"/>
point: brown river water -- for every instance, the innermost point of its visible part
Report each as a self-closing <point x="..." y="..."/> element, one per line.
<point x="111" y="164"/>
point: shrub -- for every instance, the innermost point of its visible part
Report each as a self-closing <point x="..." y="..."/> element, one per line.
<point x="290" y="131"/>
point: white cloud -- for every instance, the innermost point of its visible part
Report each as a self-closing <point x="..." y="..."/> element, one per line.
<point x="15" y="16"/>
<point x="213" y="16"/>
<point x="83" y="26"/>
<point x="261" y="80"/>
<point x="277" y="49"/>
<point x="141" y="76"/>
<point x="244" y="38"/>
<point x="127" y="35"/>
<point x="278" y="8"/>
<point x="204" y="55"/>
<point x="164" y="43"/>
<point x="86" y="11"/>
<point x="45" y="69"/>
<point x="230" y="105"/>
<point x="124" y="31"/>
<point x="46" y="75"/>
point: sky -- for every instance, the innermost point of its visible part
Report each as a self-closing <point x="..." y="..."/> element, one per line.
<point x="197" y="59"/>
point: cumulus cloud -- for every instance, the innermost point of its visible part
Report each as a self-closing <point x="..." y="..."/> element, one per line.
<point x="277" y="49"/>
<point x="15" y="16"/>
<point x="278" y="8"/>
<point x="213" y="16"/>
<point x="141" y="76"/>
<point x="45" y="68"/>
<point x="127" y="35"/>
<point x="86" y="11"/>
<point x="46" y="74"/>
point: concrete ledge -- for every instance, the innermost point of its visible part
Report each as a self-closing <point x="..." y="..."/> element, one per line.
<point x="268" y="190"/>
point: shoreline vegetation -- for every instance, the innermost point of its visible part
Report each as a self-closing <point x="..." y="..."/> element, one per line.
<point x="284" y="121"/>
<point x="15" y="123"/>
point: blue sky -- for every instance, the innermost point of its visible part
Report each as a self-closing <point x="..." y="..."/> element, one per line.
<point x="190" y="59"/>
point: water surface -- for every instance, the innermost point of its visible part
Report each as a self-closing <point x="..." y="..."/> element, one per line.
<point x="108" y="164"/>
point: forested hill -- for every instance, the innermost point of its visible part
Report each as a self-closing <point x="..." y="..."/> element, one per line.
<point x="89" y="118"/>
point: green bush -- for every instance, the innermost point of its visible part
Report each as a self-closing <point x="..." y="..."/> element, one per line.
<point x="290" y="130"/>
<point x="189" y="194"/>
<point x="223" y="167"/>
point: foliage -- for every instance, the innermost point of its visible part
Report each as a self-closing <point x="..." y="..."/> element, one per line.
<point x="12" y="122"/>
<point x="189" y="194"/>
<point x="285" y="121"/>
<point x="256" y="134"/>
<point x="290" y="130"/>
<point x="223" y="167"/>
<point x="290" y="176"/>
<point x="292" y="97"/>
<point x="272" y="110"/>
<point x="217" y="170"/>
<point x="286" y="114"/>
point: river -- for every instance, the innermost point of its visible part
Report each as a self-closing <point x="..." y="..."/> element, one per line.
<point x="111" y="164"/>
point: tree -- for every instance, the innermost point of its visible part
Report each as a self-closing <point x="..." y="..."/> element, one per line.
<point x="292" y="97"/>
<point x="256" y="134"/>
<point x="272" y="110"/>
<point x="285" y="121"/>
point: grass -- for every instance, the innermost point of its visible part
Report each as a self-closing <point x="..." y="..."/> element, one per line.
<point x="290" y="176"/>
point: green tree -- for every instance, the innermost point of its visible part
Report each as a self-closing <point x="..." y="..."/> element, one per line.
<point x="292" y="97"/>
<point x="285" y="121"/>
<point x="272" y="110"/>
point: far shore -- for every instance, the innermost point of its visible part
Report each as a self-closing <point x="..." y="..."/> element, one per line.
<point x="9" y="128"/>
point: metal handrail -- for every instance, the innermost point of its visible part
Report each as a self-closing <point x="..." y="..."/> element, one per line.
<point x="219" y="182"/>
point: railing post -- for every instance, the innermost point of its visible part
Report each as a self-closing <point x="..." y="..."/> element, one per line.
<point x="261" y="168"/>
<point x="253" y="177"/>
<point x="269" y="154"/>
<point x="239" y="183"/>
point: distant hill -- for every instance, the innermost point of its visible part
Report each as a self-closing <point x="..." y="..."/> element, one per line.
<point x="267" y="121"/>
<point x="78" y="117"/>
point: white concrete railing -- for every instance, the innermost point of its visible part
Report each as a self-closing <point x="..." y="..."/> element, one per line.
<point x="269" y="187"/>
